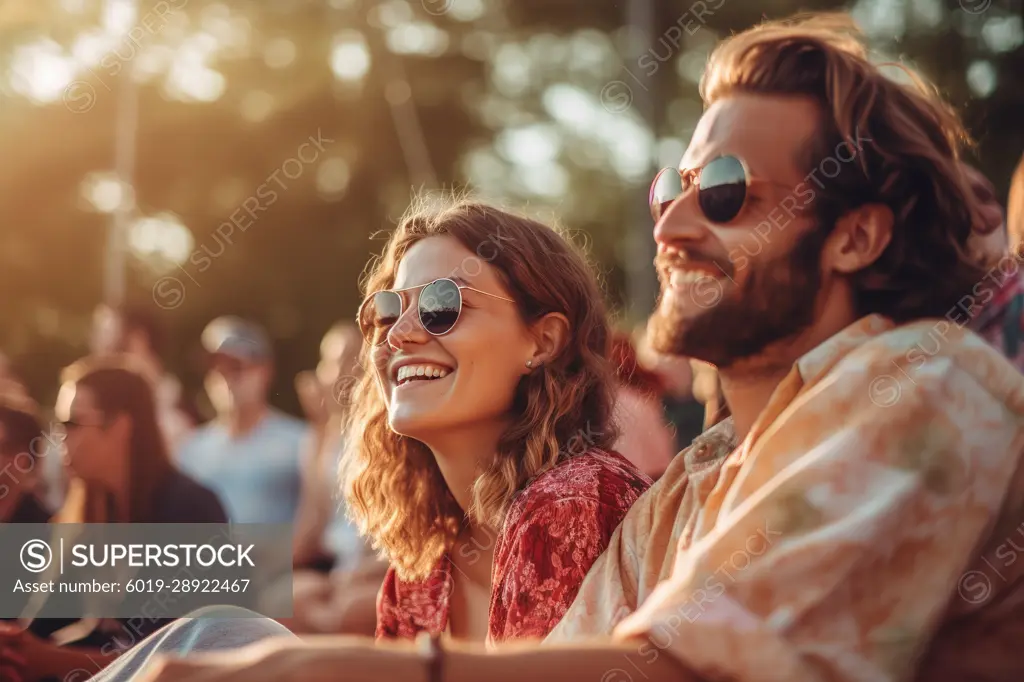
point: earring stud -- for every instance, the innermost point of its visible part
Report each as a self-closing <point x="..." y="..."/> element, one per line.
<point x="529" y="363"/>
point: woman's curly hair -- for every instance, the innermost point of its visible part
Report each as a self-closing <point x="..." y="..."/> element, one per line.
<point x="392" y="484"/>
<point x="890" y="143"/>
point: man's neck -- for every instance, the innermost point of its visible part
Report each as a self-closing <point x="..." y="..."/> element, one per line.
<point x="748" y="384"/>
<point x="461" y="453"/>
<point x="241" y="422"/>
<point x="747" y="394"/>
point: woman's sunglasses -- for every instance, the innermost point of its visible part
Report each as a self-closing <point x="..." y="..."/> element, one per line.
<point x="439" y="307"/>
<point x="722" y="185"/>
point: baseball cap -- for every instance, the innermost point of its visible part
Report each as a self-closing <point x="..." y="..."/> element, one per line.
<point x="237" y="338"/>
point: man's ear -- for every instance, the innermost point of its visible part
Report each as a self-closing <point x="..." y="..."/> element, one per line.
<point x="551" y="333"/>
<point x="858" y="240"/>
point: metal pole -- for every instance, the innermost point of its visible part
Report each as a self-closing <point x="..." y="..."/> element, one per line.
<point x="126" y="124"/>
<point x="641" y="280"/>
<point x="398" y="93"/>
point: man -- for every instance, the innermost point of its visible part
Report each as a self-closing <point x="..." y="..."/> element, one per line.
<point x="134" y="331"/>
<point x="249" y="455"/>
<point x="849" y="519"/>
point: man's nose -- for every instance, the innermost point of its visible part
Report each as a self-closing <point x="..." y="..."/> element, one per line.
<point x="682" y="221"/>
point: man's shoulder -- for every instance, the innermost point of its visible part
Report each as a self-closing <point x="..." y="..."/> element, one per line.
<point x="200" y="441"/>
<point x="931" y="352"/>
<point x="285" y="425"/>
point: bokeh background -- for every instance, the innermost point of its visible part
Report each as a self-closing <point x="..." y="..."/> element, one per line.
<point x="203" y="157"/>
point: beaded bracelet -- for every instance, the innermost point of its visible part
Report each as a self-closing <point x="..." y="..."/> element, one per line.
<point x="429" y="647"/>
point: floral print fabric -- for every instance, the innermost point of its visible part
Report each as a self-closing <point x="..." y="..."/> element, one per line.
<point x="554" y="530"/>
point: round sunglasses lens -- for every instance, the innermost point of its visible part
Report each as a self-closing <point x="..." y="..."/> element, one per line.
<point x="665" y="189"/>
<point x="380" y="314"/>
<point x="722" y="189"/>
<point x="439" y="305"/>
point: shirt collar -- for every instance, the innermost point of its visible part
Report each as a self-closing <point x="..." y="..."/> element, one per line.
<point x="718" y="441"/>
<point x="819" y="360"/>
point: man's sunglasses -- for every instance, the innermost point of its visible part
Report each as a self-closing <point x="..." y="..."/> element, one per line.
<point x="439" y="307"/>
<point x="722" y="185"/>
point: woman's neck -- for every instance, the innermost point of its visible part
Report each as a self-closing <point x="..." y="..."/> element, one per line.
<point x="462" y="453"/>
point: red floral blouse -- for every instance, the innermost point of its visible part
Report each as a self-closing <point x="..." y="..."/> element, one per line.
<point x="555" y="529"/>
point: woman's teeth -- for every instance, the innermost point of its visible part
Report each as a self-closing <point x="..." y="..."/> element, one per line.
<point x="413" y="372"/>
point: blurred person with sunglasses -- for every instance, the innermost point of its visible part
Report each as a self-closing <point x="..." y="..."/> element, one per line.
<point x="250" y="454"/>
<point x="858" y="515"/>
<point x="119" y="472"/>
<point x="337" y="575"/>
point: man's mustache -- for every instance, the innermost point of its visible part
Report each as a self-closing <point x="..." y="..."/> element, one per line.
<point x="681" y="260"/>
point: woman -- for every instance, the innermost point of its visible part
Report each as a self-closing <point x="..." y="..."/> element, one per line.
<point x="336" y="577"/>
<point x="645" y="438"/>
<point x="120" y="472"/>
<point x="483" y="467"/>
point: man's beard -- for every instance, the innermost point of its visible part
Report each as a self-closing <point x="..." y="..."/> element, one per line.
<point x="775" y="302"/>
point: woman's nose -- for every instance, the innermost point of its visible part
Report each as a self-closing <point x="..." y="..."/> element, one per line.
<point x="407" y="329"/>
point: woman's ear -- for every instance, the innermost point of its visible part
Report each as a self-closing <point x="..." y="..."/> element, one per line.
<point x="551" y="333"/>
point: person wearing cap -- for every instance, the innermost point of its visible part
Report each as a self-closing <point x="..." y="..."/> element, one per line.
<point x="250" y="454"/>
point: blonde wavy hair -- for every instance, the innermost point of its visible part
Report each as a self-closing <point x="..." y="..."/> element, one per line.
<point x="905" y="143"/>
<point x="393" y="486"/>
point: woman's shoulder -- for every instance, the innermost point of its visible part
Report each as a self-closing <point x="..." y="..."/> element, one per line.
<point x="407" y="607"/>
<point x="600" y="477"/>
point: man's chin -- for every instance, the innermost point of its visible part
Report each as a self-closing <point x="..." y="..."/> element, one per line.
<point x="667" y="332"/>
